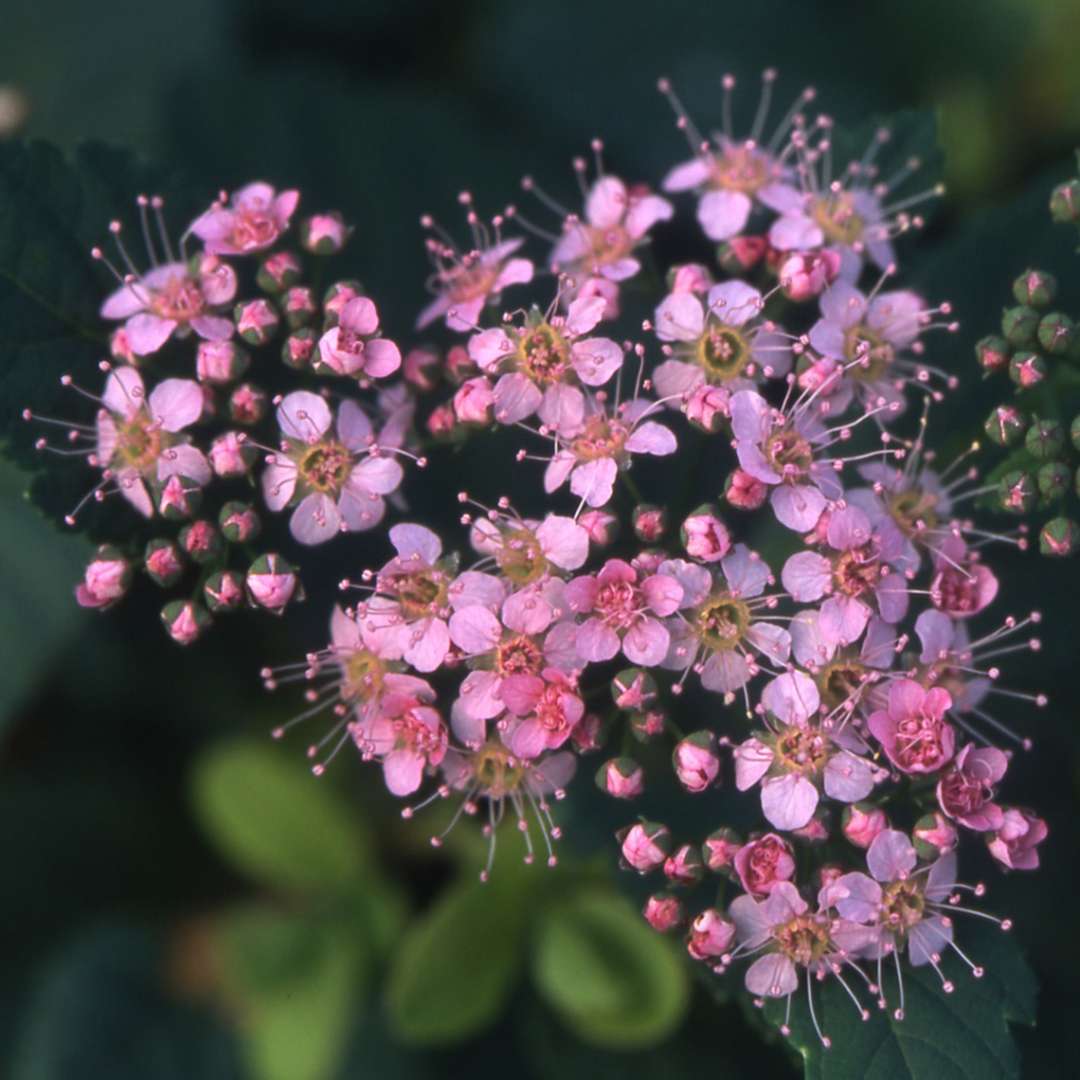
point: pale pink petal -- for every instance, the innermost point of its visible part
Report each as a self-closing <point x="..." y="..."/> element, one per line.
<point x="662" y="593"/>
<point x="471" y="587"/>
<point x="734" y="302"/>
<point x="360" y="316"/>
<point x="652" y="438"/>
<point x="606" y="202"/>
<point x="134" y="490"/>
<point x="689" y="174"/>
<point x="315" y="520"/>
<point x="673" y="378"/>
<point x="772" y="975"/>
<point x="475" y="630"/>
<point x="797" y="506"/>
<point x="184" y="460"/>
<point x="123" y="303"/>
<point x="848" y="778"/>
<point x="680" y="317"/>
<point x="596" y="359"/>
<point x="213" y="327"/>
<point x="788" y="802"/>
<point x="516" y="398"/>
<point x="124" y="393"/>
<point x="146" y="333"/>
<point x="562" y="409"/>
<point x="596" y="642"/>
<point x="751" y="416"/>
<point x="806" y="575"/>
<point x="479" y="701"/>
<point x="646" y="642"/>
<point x="488" y="348"/>
<point x="746" y="574"/>
<point x="795" y="233"/>
<point x="515" y="272"/>
<point x="792" y="697"/>
<point x="375" y="475"/>
<point x="753" y="759"/>
<point x="176" y="403"/>
<point x="843" y="305"/>
<point x="429" y="642"/>
<point x="560" y="467"/>
<point x="403" y="770"/>
<point x="563" y="541"/>
<point x="843" y="619"/>
<point x="381" y="358"/>
<point x="416" y="543"/>
<point x="891" y="856"/>
<point x="594" y="481"/>
<point x="725" y="672"/>
<point x="304" y="416"/>
<point x="583" y="313"/>
<point x="279" y="483"/>
<point x="645" y="212"/>
<point x="723" y="214"/>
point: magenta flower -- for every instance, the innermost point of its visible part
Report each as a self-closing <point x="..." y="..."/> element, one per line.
<point x="763" y="864"/>
<point x="721" y="341"/>
<point x="1016" y="841"/>
<point x="465" y="283"/>
<point x="711" y="935"/>
<point x="697" y="761"/>
<point x="605" y="445"/>
<point x="540" y="363"/>
<point x="105" y="580"/>
<point x="624" y="610"/>
<point x="352" y="347"/>
<point x="965" y="790"/>
<point x="138" y="437"/>
<point x="962" y="585"/>
<point x="860" y="571"/>
<point x="174" y="297"/>
<point x="617" y="220"/>
<point x="913" y="730"/>
<point x="546" y="709"/>
<point x="252" y="220"/>
<point x="335" y="480"/>
<point x="779" y="450"/>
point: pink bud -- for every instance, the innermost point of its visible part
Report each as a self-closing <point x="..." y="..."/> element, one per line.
<point x="663" y="912"/>
<point x="607" y="290"/>
<point x="762" y="864"/>
<point x="120" y="346"/>
<point x="587" y="734"/>
<point x="1015" y="844"/>
<point x="420" y="365"/>
<point x="814" y="830"/>
<point x="705" y="536"/>
<point x="935" y="834"/>
<point x="105" y="580"/>
<point x="247" y="404"/>
<point x="219" y="361"/>
<point x="708" y="406"/>
<point x="649" y="523"/>
<point x="164" y="561"/>
<point x="271" y="582"/>
<point x="644" y="846"/>
<point x="633" y="689"/>
<point x="829" y="874"/>
<point x="474" y="401"/>
<point x="861" y="826"/>
<point x="744" y="491"/>
<point x="684" y="867"/>
<point x="711" y="935"/>
<point x="621" y="778"/>
<point x="600" y="525"/>
<point x="231" y="455"/>
<point x="184" y="621"/>
<point x="689" y="278"/>
<point x="697" y="764"/>
<point x="805" y="275"/>
<point x="459" y="365"/>
<point x="441" y="421"/>
<point x="324" y="234"/>
<point x="720" y="849"/>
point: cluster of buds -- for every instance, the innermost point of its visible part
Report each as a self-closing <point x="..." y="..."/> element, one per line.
<point x="1039" y="347"/>
<point x="846" y="684"/>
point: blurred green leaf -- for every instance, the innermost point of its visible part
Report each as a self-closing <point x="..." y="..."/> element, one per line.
<point x="456" y="965"/>
<point x="297" y="982"/>
<point x="613" y="980"/>
<point x="274" y="821"/>
<point x="959" y="1036"/>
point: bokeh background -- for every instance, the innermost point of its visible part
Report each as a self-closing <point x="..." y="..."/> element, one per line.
<point x="146" y="932"/>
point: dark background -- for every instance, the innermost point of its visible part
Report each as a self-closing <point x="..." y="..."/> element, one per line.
<point x="387" y="109"/>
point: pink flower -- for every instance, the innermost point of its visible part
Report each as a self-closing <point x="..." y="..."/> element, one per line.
<point x="336" y="480"/>
<point x="711" y="935"/>
<point x="763" y="863"/>
<point x="624" y="610"/>
<point x="253" y="220"/>
<point x="353" y="346"/>
<point x="1015" y="843"/>
<point x="962" y="586"/>
<point x="644" y="846"/>
<point x="663" y="913"/>
<point x="464" y="283"/>
<point x="474" y="402"/>
<point x="697" y="764"/>
<point x="617" y="220"/>
<point x="526" y="551"/>
<point x="548" y="707"/>
<point x="541" y="363"/>
<point x="745" y="491"/>
<point x="105" y="581"/>
<point x="722" y="341"/>
<point x="806" y="275"/>
<point x="173" y="298"/>
<point x="965" y="790"/>
<point x="403" y="731"/>
<point x="138" y="437"/>
<point x="705" y="536"/>
<point x="862" y="827"/>
<point x="912" y="730"/>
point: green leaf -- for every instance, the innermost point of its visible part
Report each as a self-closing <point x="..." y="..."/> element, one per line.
<point x="455" y="967"/>
<point x="613" y="981"/>
<point x="959" y="1036"/>
<point x="275" y="822"/>
<point x="296" y="982"/>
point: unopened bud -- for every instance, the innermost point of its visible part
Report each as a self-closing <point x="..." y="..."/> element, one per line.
<point x="741" y="253"/>
<point x="689" y="278"/>
<point x="1056" y="333"/>
<point x="247" y="404"/>
<point x="992" y="353"/>
<point x="178" y="498"/>
<point x="1005" y="426"/>
<point x="239" y="522"/>
<point x="644" y="846"/>
<point x="633" y="689"/>
<point x="601" y="525"/>
<point x="621" y="778"/>
<point x="1027" y="369"/>
<point x="474" y="402"/>
<point x="1045" y="439"/>
<point x="1065" y="203"/>
<point x="1019" y="325"/>
<point x="719" y="850"/>
<point x="163" y="561"/>
<point x="324" y="234"/>
<point x="105" y="580"/>
<point x="336" y="297"/>
<point x="220" y="362"/>
<point x="697" y="762"/>
<point x="271" y="583"/>
<point x="201" y="541"/>
<point x="1017" y="492"/>
<point x="704" y="535"/>
<point x="256" y="321"/>
<point x="1035" y="288"/>
<point x="650" y="522"/>
<point x="184" y="620"/>
<point x="933" y="836"/>
<point x="298" y="349"/>
<point x="711" y="935"/>
<point x="299" y="306"/>
<point x="1054" y="480"/>
<point x="745" y="491"/>
<point x="1059" y="537"/>
<point x="708" y="407"/>
<point x="278" y="272"/>
<point x="684" y="866"/>
<point x="224" y="591"/>
<point x="646" y="726"/>
<point x="862" y="824"/>
<point x="664" y="912"/>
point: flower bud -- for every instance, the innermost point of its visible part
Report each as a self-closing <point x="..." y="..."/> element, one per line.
<point x="663" y="912"/>
<point x="992" y="353"/>
<point x="474" y="402"/>
<point x="933" y="836"/>
<point x="1015" y="844"/>
<point x="239" y="522"/>
<point x="589" y="733"/>
<point x="459" y="364"/>
<point x="744" y="491"/>
<point x="120" y="347"/>
<point x="689" y="278"/>
<point x="247" y="404"/>
<point x="421" y="368"/>
<point x="105" y="580"/>
<point x="179" y="498"/>
<point x="324" y="234"/>
<point x="1045" y="439"/>
<point x="862" y="823"/>
<point x="650" y="522"/>
<point x="1019" y="325"/>
<point x="633" y="689"/>
<point x="1027" y="369"/>
<point x="1059" y="537"/>
<point x="224" y="591"/>
<point x="704" y="535"/>
<point x="298" y="348"/>
<point x="606" y="290"/>
<point x="1017" y="492"/>
<point x="696" y="761"/>
<point x="163" y="561"/>
<point x="711" y="935"/>
<point x="220" y="362"/>
<point x="601" y="525"/>
<point x="256" y="321"/>
<point x="1035" y="288"/>
<point x="646" y="726"/>
<point x="231" y="454"/>
<point x="763" y="863"/>
<point x="814" y="830"/>
<point x="278" y="272"/>
<point x="271" y="582"/>
<point x="1065" y="203"/>
<point x="1057" y="333"/>
<point x="684" y="866"/>
<point x="829" y="874"/>
<point x="741" y="253"/>
<point x="336" y="297"/>
<point x="808" y="274"/>
<point x="649" y="560"/>
<point x="184" y="620"/>
<point x="621" y="778"/>
<point x="1054" y="479"/>
<point x="201" y="541"/>
<point x="441" y="422"/>
<point x="720" y="849"/>
<point x="708" y="407"/>
<point x="300" y="306"/>
<point x="644" y="846"/>
<point x="1005" y="426"/>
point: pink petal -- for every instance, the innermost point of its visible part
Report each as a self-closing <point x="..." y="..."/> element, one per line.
<point x="606" y="202"/>
<point x="645" y="212"/>
<point x="788" y="802"/>
<point x="315" y="520"/>
<point x="515" y="272"/>
<point x="891" y="856"/>
<point x="124" y="392"/>
<point x="596" y="642"/>
<point x="360" y="316"/>
<point x="594" y="481"/>
<point x="403" y="770"/>
<point x="797" y="507"/>
<point x="563" y="409"/>
<point x="596" y="359"/>
<point x="304" y="416"/>
<point x="806" y="575"/>
<point x="176" y="403"/>
<point x="381" y="358"/>
<point x="795" y="233"/>
<point x="417" y="543"/>
<point x="146" y="333"/>
<point x="772" y="975"/>
<point x="184" y="460"/>
<point x="488" y="348"/>
<point x="645" y="643"/>
<point x="429" y="642"/>
<point x="213" y="327"/>
<point x="583" y="314"/>
<point x="690" y="174"/>
<point x="475" y="630"/>
<point x="679" y="317"/>
<point x="563" y="541"/>
<point x="279" y="483"/>
<point x="516" y="398"/>
<point x="652" y="438"/>
<point x="723" y="214"/>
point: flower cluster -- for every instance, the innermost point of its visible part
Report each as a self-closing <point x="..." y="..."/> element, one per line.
<point x="775" y="400"/>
